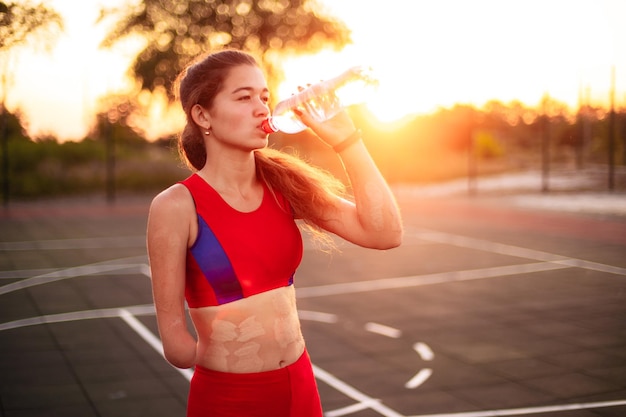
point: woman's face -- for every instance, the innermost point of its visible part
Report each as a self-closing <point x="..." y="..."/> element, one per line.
<point x="240" y="107"/>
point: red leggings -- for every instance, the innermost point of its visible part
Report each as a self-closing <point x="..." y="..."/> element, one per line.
<point x="285" y="392"/>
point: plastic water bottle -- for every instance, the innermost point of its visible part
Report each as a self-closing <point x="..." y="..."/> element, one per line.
<point x="322" y="100"/>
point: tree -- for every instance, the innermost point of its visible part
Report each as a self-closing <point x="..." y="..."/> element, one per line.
<point x="18" y="25"/>
<point x="178" y="30"/>
<point x="20" y="20"/>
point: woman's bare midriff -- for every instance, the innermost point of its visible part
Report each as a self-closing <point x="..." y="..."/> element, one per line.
<point x="254" y="334"/>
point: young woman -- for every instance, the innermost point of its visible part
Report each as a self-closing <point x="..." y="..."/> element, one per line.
<point x="225" y="240"/>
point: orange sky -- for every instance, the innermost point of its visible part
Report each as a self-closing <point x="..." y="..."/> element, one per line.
<point x="426" y="54"/>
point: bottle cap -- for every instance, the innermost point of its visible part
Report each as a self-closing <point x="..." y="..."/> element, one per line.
<point x="268" y="126"/>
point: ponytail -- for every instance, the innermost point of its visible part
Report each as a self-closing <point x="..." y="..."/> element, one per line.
<point x="191" y="147"/>
<point x="311" y="191"/>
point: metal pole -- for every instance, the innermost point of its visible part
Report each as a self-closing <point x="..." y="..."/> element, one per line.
<point x="587" y="121"/>
<point x="472" y="164"/>
<point x="579" y="145"/>
<point x="110" y="163"/>
<point x="623" y="134"/>
<point x="5" y="156"/>
<point x="611" y="147"/>
<point x="623" y="131"/>
<point x="545" y="149"/>
<point x="4" y="134"/>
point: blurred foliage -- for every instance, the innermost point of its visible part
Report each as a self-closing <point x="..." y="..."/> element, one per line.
<point x="486" y="145"/>
<point x="177" y="31"/>
<point x="425" y="149"/>
<point x="422" y="149"/>
<point x="47" y="168"/>
<point x="10" y="123"/>
<point x="18" y="20"/>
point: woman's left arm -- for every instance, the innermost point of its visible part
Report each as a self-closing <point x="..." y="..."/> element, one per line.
<point x="373" y="219"/>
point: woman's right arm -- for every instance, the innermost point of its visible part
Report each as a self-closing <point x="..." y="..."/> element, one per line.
<point x="168" y="236"/>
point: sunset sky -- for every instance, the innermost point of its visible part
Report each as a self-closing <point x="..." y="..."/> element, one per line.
<point x="426" y="54"/>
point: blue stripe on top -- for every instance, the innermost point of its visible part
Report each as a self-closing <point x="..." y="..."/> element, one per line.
<point x="215" y="265"/>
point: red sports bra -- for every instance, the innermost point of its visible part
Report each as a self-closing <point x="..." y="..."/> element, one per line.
<point x="237" y="255"/>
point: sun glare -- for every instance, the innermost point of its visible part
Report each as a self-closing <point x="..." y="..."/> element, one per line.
<point x="425" y="54"/>
<point x="58" y="91"/>
<point x="440" y="53"/>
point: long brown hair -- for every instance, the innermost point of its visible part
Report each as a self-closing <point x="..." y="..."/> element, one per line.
<point x="310" y="190"/>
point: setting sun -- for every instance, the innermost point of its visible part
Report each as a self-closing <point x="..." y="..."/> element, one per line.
<point x="438" y="53"/>
<point x="425" y="54"/>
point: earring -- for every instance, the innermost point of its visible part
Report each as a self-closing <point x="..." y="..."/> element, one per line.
<point x="207" y="132"/>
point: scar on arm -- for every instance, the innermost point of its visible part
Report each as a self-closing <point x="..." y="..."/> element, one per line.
<point x="374" y="196"/>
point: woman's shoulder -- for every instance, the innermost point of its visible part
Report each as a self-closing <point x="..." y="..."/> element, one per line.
<point x="175" y="198"/>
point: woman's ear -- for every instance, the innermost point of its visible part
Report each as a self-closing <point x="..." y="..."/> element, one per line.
<point x="201" y="116"/>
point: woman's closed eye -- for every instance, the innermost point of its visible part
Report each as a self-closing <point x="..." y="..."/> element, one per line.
<point x="264" y="99"/>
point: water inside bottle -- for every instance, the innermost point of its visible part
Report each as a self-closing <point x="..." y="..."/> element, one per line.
<point x="322" y="101"/>
<point x="288" y="122"/>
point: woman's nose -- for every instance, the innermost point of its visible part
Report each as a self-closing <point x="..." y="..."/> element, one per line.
<point x="262" y="108"/>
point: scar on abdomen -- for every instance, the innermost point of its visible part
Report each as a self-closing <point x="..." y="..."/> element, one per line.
<point x="248" y="359"/>
<point x="219" y="355"/>
<point x="283" y="306"/>
<point x="249" y="329"/>
<point x="223" y="331"/>
<point x="286" y="331"/>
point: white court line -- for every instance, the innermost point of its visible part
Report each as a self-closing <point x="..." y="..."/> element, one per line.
<point x="593" y="266"/>
<point x="549" y="261"/>
<point x="25" y="273"/>
<point x="428" y="279"/>
<point x="552" y="262"/>
<point x="364" y="401"/>
<point x="529" y="410"/>
<point x="419" y="378"/>
<point x="383" y="330"/>
<point x="424" y="351"/>
<point x="145" y="269"/>
<point x="486" y="246"/>
<point x="351" y="409"/>
<point x="84" y="243"/>
<point x="353" y="393"/>
<point x="141" y="310"/>
<point x="317" y="316"/>
<point x="61" y="274"/>
<point x="29" y="273"/>
<point x="517" y="251"/>
<point x="149" y="338"/>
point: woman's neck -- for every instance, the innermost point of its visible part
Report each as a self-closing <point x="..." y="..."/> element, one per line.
<point x="232" y="174"/>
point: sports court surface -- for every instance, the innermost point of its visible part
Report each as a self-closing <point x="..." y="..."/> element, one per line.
<point x="489" y="308"/>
